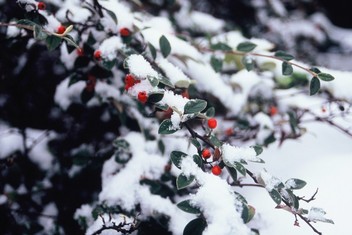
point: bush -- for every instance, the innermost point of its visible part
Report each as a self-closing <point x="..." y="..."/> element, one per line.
<point x="145" y="117"/>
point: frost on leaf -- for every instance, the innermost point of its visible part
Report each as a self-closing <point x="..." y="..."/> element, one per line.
<point x="318" y="214"/>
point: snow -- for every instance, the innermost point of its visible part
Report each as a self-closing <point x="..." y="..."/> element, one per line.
<point x="109" y="47"/>
<point x="223" y="216"/>
<point x="317" y="214"/>
<point x="174" y="73"/>
<point x="140" y="67"/>
<point x="233" y="153"/>
<point x="47" y="222"/>
<point x="3" y="199"/>
<point x="270" y="182"/>
<point x="10" y="142"/>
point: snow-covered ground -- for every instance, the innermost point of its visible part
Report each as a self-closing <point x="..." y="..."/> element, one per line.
<point x="323" y="158"/>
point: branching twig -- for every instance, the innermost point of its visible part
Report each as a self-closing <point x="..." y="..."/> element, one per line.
<point x="312" y="198"/>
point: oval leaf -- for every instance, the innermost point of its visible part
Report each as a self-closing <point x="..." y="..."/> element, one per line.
<point x="287" y="69"/>
<point x="248" y="63"/>
<point x="152" y="50"/>
<point x="188" y="207"/>
<point x="155" y="97"/>
<point x="221" y="46"/>
<point x="238" y="166"/>
<point x="295" y="183"/>
<point x="166" y="127"/>
<point x="52" y="42"/>
<point x="325" y="77"/>
<point x="246" y="46"/>
<point x="314" y="86"/>
<point x="177" y="157"/>
<point x="165" y="46"/>
<point x="183" y="181"/>
<point x="283" y="55"/>
<point x="195" y="227"/>
<point x="195" y="106"/>
<point x="216" y="64"/>
<point x="275" y="195"/>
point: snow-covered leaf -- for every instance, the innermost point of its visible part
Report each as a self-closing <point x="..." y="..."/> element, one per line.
<point x="275" y="195"/>
<point x="183" y="181"/>
<point x="195" y="106"/>
<point x="112" y="15"/>
<point x="295" y="183"/>
<point x="216" y="63"/>
<point x="187" y="206"/>
<point x="248" y="63"/>
<point x="166" y="127"/>
<point x="195" y="227"/>
<point x="318" y="214"/>
<point x="238" y="166"/>
<point x="177" y="157"/>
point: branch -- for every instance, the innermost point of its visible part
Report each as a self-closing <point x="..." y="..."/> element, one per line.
<point x="310" y="199"/>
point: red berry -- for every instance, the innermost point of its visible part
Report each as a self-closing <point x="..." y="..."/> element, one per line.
<point x="229" y="131"/>
<point x="206" y="153"/>
<point x="129" y="80"/>
<point x="125" y="32"/>
<point x="80" y="52"/>
<point x="323" y="109"/>
<point x="91" y="81"/>
<point x="41" y="6"/>
<point x="61" y="29"/>
<point x="273" y="110"/>
<point x="142" y="96"/>
<point x="97" y="55"/>
<point x="216" y="170"/>
<point x="212" y="123"/>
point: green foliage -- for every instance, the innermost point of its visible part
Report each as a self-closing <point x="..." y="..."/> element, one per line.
<point x="165" y="46"/>
<point x="246" y="46"/>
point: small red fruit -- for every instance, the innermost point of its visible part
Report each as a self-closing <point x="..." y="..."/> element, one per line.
<point x="229" y="131"/>
<point x="80" y="52"/>
<point x="97" y="55"/>
<point x="216" y="170"/>
<point x="142" y="96"/>
<point x="61" y="29"/>
<point x="129" y="80"/>
<point x="212" y="123"/>
<point x="125" y="32"/>
<point x="41" y="6"/>
<point x="91" y="82"/>
<point x="206" y="153"/>
<point x="323" y="109"/>
<point x="272" y="111"/>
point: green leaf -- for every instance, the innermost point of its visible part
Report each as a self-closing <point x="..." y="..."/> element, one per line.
<point x="198" y="160"/>
<point x="187" y="206"/>
<point x="52" y="42"/>
<point x="121" y="144"/>
<point x="177" y="157"/>
<point x="215" y="141"/>
<point x="325" y="77"/>
<point x="166" y="127"/>
<point x="238" y="166"/>
<point x="165" y="46"/>
<point x="248" y="63"/>
<point x="246" y="46"/>
<point x="232" y="172"/>
<point x="275" y="195"/>
<point x="210" y="112"/>
<point x="91" y="40"/>
<point x="163" y="107"/>
<point x="183" y="181"/>
<point x="161" y="146"/>
<point x="166" y="81"/>
<point x="216" y="64"/>
<point x="182" y="83"/>
<point x="287" y="69"/>
<point x="315" y="70"/>
<point x="153" y="81"/>
<point x="26" y="22"/>
<point x="195" y="227"/>
<point x="293" y="200"/>
<point x="112" y="15"/>
<point x="293" y="121"/>
<point x="39" y="33"/>
<point x="196" y="143"/>
<point x="295" y="183"/>
<point x="155" y="97"/>
<point x="195" y="106"/>
<point x="86" y="96"/>
<point x="109" y="64"/>
<point x="74" y="78"/>
<point x="258" y="149"/>
<point x="283" y="55"/>
<point x="152" y="50"/>
<point x="314" y="86"/>
<point x="247" y="213"/>
<point x="221" y="47"/>
<point x="321" y="213"/>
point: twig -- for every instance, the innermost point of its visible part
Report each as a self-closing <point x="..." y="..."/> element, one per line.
<point x="312" y="198"/>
